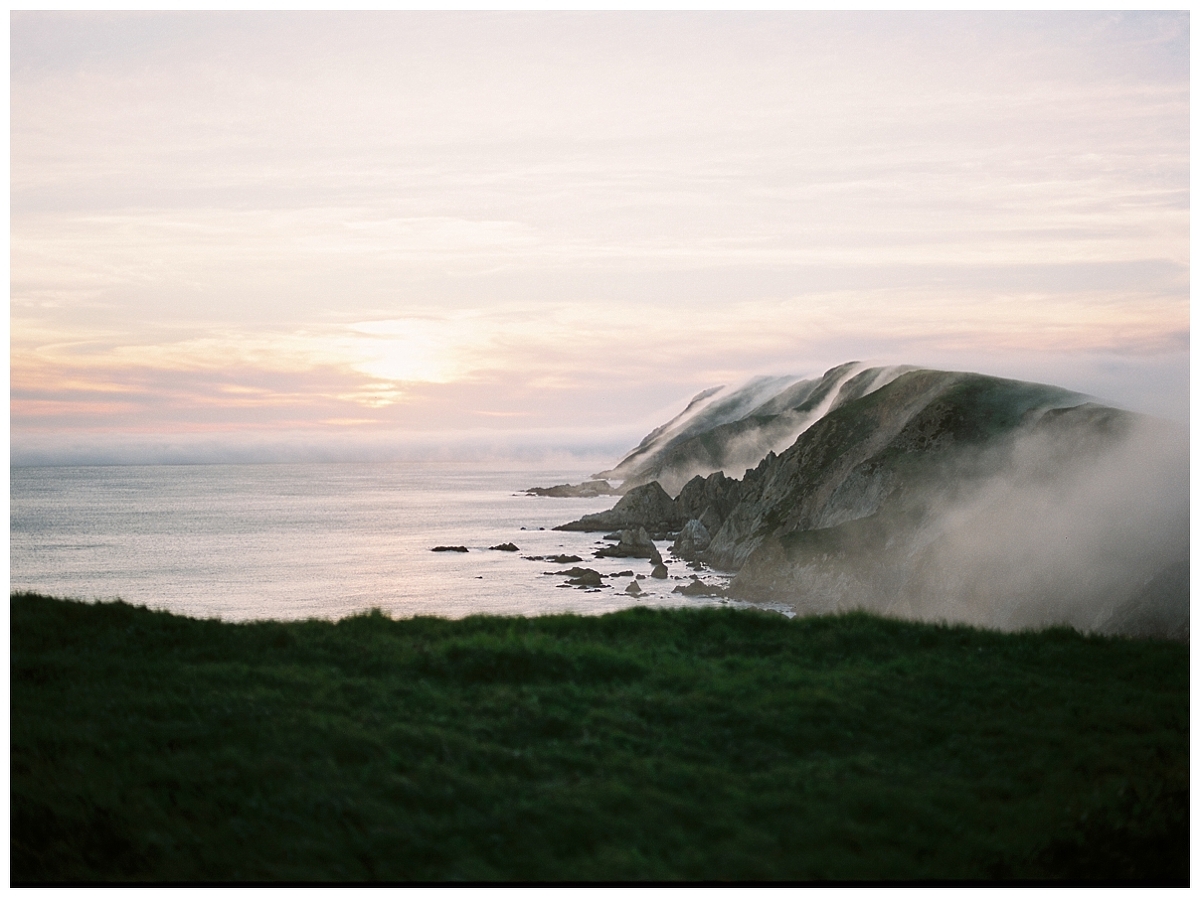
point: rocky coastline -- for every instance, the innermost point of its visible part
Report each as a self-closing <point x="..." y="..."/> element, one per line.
<point x="930" y="495"/>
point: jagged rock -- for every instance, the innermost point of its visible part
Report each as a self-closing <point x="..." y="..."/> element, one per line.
<point x="587" y="578"/>
<point x="648" y="507"/>
<point x="505" y="547"/>
<point x="659" y="572"/>
<point x="573" y="572"/>
<point x="449" y="549"/>
<point x="711" y="520"/>
<point x="693" y="539"/>
<point x="709" y="499"/>
<point x="633" y="544"/>
<point x="633" y="589"/>
<point x="589" y="489"/>
<point x="699" y="588"/>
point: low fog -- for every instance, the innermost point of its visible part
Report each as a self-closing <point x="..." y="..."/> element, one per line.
<point x="1073" y="528"/>
<point x="583" y="448"/>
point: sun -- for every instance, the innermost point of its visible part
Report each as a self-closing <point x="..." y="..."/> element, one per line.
<point x="408" y="350"/>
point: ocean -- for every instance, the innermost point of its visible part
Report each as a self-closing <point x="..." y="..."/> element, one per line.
<point x="293" y="541"/>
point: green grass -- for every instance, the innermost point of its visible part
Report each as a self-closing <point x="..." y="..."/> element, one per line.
<point x="661" y="745"/>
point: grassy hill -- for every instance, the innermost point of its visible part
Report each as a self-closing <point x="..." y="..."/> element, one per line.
<point x="659" y="745"/>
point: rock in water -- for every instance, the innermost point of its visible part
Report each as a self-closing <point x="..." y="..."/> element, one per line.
<point x="648" y="507"/>
<point x="633" y="589"/>
<point x="587" y="578"/>
<point x="699" y="588"/>
<point x="633" y="544"/>
<point x="573" y="572"/>
<point x="659" y="572"/>
<point x="506" y="547"/>
<point x="589" y="489"/>
<point x="448" y="549"/>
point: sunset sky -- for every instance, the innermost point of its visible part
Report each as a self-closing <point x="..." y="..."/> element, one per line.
<point x="244" y="236"/>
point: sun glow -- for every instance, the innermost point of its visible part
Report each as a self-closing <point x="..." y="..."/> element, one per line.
<point x="419" y="223"/>
<point x="405" y="350"/>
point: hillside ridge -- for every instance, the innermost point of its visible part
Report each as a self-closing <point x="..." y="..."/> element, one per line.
<point x="924" y="494"/>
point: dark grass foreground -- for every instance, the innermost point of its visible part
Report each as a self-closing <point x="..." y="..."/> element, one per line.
<point x="680" y="745"/>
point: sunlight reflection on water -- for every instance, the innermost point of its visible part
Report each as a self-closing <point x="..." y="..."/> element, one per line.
<point x="311" y="540"/>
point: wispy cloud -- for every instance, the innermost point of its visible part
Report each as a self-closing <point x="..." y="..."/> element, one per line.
<point x="415" y="220"/>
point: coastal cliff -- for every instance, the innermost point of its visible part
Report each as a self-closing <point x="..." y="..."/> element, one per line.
<point x="928" y="495"/>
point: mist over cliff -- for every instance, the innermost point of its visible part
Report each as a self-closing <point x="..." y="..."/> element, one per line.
<point x="1062" y="523"/>
<point x="729" y="430"/>
<point x="926" y="494"/>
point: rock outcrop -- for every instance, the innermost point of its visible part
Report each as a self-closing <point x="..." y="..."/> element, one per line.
<point x="633" y="544"/>
<point x="693" y="539"/>
<point x="587" y="578"/>
<point x="589" y="489"/>
<point x="697" y="587"/>
<point x="648" y="506"/>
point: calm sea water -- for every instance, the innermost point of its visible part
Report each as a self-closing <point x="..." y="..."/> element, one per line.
<point x="310" y="540"/>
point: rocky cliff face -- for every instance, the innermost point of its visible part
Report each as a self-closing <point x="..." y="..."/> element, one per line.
<point x="938" y="495"/>
<point x="729" y="431"/>
<point x="648" y="506"/>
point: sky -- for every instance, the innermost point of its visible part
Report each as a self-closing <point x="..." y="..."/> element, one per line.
<point x="292" y="236"/>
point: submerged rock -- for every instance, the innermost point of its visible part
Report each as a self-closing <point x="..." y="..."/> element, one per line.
<point x="449" y="549"/>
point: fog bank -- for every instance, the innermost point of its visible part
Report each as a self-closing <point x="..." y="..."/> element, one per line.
<point x="587" y="449"/>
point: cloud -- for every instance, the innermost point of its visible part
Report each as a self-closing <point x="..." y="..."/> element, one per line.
<point x="416" y="219"/>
